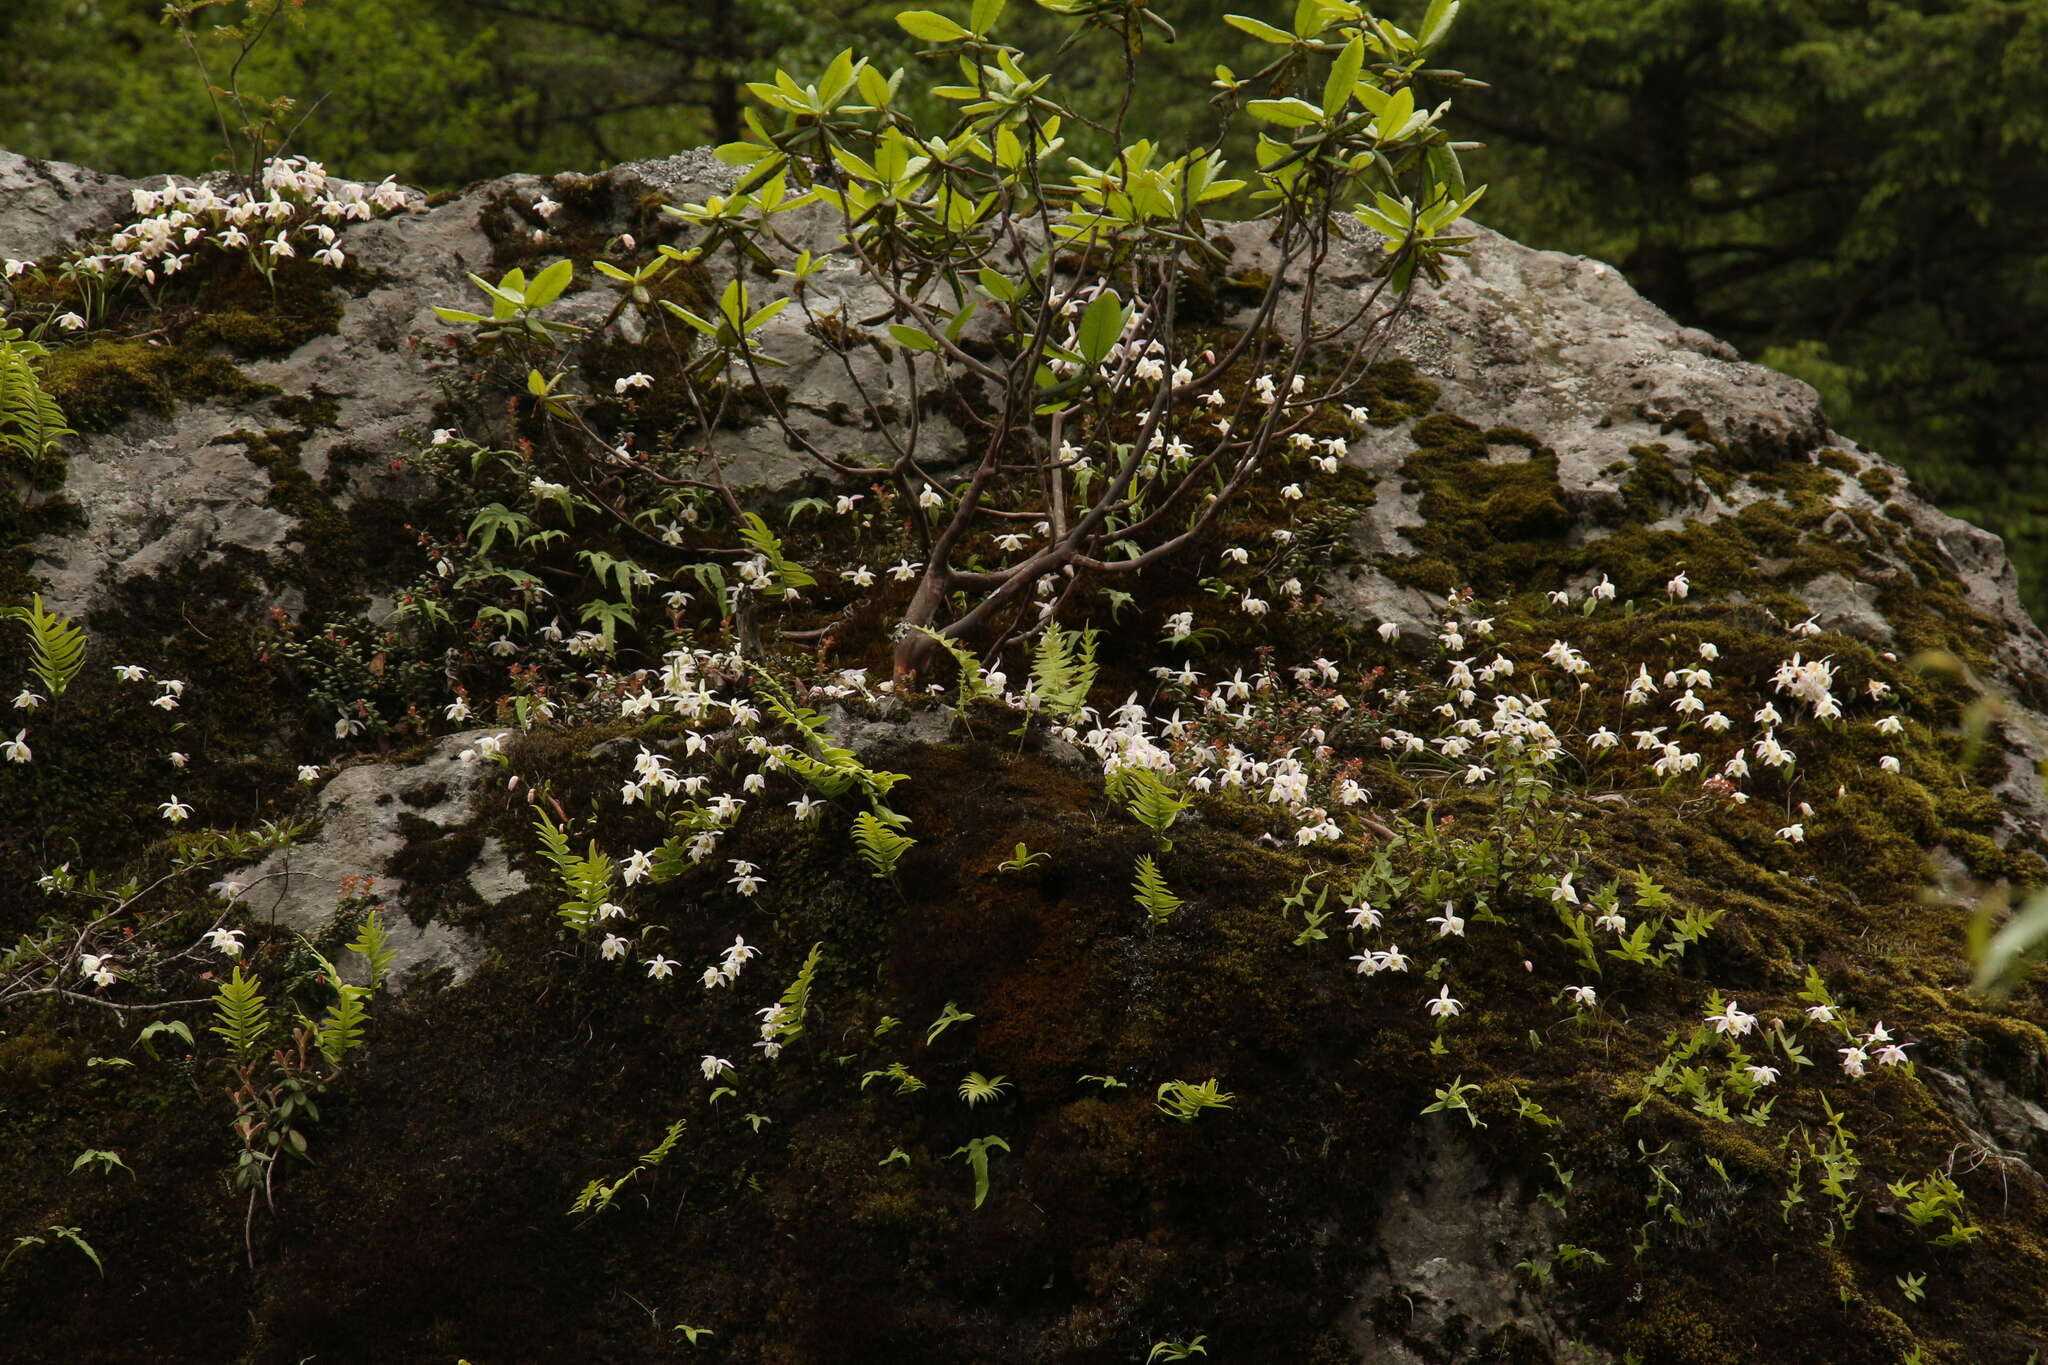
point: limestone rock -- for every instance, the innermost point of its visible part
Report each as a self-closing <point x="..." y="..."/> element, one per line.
<point x="364" y="816"/>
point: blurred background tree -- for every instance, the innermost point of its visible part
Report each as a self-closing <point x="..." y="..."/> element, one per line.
<point x="1853" y="191"/>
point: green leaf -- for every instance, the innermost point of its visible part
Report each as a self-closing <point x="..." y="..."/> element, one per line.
<point x="1259" y="29"/>
<point x="932" y="28"/>
<point x="879" y="845"/>
<point x="457" y="315"/>
<point x="244" y="1017"/>
<point x="1436" y="22"/>
<point x="1343" y="76"/>
<point x="56" y="645"/>
<point x="72" y="1236"/>
<point x="1289" y="113"/>
<point x="175" y="1027"/>
<point x="914" y="338"/>
<point x="547" y="286"/>
<point x="996" y="286"/>
<point x="1102" y="326"/>
<point x="985" y="14"/>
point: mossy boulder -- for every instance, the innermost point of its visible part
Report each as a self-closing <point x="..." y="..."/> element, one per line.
<point x="257" y="503"/>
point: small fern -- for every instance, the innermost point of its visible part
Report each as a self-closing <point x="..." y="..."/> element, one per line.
<point x="31" y="423"/>
<point x="796" y="999"/>
<point x="879" y="845"/>
<point x="340" y="1030"/>
<point x="1023" y="860"/>
<point x="57" y="645"/>
<point x="976" y="1088"/>
<point x="554" y="841"/>
<point x="975" y="1154"/>
<point x="665" y="1146"/>
<point x="371" y="944"/>
<point x="973" y="677"/>
<point x="906" y="1082"/>
<point x="587" y="882"/>
<point x="830" y="768"/>
<point x="243" y="1014"/>
<point x="789" y="575"/>
<point x="1154" y="897"/>
<point x="1150" y="801"/>
<point x="1186" y="1101"/>
<point x="1063" y="670"/>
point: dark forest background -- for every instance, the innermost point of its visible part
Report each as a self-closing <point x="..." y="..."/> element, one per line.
<point x="1853" y="191"/>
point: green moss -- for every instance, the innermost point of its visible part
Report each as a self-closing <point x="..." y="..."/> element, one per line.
<point x="1653" y="486"/>
<point x="218" y="312"/>
<point x="101" y="382"/>
<point x="1876" y="481"/>
<point x="1500" y="519"/>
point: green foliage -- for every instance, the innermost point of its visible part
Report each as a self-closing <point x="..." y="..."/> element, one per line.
<point x="879" y="846"/>
<point x="586" y="878"/>
<point x="242" y="1013"/>
<point x="108" y="1162"/>
<point x="72" y="1235"/>
<point x="796" y="997"/>
<point x="973" y="678"/>
<point x="1186" y="1101"/>
<point x="598" y="1194"/>
<point x="657" y="1154"/>
<point x="31" y="423"/>
<point x="1456" y="1096"/>
<point x="952" y="1014"/>
<point x="2003" y="957"/>
<point x="789" y="576"/>
<point x="1176" y="1350"/>
<point x="1149" y="799"/>
<point x="1935" y="1200"/>
<point x="1063" y="670"/>
<point x="977" y="1088"/>
<point x="831" y="769"/>
<point x="1154" y="897"/>
<point x="340" y="1031"/>
<point x="975" y="1153"/>
<point x="517" y="304"/>
<point x="372" y="945"/>
<point x="56" y="645"/>
<point x="1022" y="860"/>
<point x="906" y="1083"/>
<point x="177" y="1028"/>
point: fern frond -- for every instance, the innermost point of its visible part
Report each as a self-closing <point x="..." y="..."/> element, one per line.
<point x="1063" y="670"/>
<point x="906" y="1083"/>
<point x="370" y="942"/>
<point x="340" y="1031"/>
<point x="1154" y="897"/>
<point x="597" y="1196"/>
<point x="56" y="643"/>
<point x="976" y="1088"/>
<point x="1150" y="801"/>
<point x="879" y="845"/>
<point x="796" y="999"/>
<point x="665" y="1146"/>
<point x="789" y="575"/>
<point x="31" y="423"/>
<point x="243" y="1014"/>
<point x="554" y="840"/>
<point x="830" y="768"/>
<point x="973" y="677"/>
<point x="587" y="884"/>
